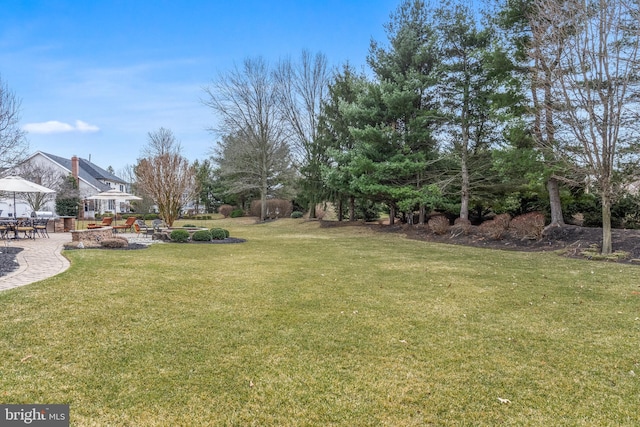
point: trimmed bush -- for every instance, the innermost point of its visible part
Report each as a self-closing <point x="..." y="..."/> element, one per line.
<point x="492" y="229"/>
<point x="189" y="226"/>
<point x="439" y="224"/>
<point x="201" y="236"/>
<point x="219" y="233"/>
<point x="528" y="226"/>
<point x="296" y="214"/>
<point x="115" y="243"/>
<point x="236" y="213"/>
<point x="503" y="220"/>
<point x="225" y="210"/>
<point x="179" y="236"/>
<point x="460" y="226"/>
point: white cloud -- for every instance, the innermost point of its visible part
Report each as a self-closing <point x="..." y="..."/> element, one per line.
<point x="85" y="127"/>
<point x="54" y="126"/>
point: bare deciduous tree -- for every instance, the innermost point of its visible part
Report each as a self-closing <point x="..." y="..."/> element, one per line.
<point x="254" y="143"/>
<point x="164" y="174"/>
<point x="13" y="145"/>
<point x="128" y="174"/>
<point x="302" y="88"/>
<point x="43" y="175"/>
<point x="595" y="78"/>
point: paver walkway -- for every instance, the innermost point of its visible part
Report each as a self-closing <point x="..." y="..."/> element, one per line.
<point x="39" y="259"/>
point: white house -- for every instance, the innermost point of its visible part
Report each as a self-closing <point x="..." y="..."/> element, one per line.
<point x="91" y="178"/>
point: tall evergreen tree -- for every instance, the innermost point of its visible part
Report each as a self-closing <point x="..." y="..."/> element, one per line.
<point x="393" y="145"/>
<point x="517" y="18"/>
<point x="334" y="131"/>
<point x="475" y="92"/>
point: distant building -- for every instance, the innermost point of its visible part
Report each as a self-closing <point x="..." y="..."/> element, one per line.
<point x="91" y="178"/>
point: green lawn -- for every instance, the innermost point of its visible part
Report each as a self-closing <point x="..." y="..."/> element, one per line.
<point x="302" y="326"/>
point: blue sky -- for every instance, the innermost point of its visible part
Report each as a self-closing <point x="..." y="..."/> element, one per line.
<point x="95" y="77"/>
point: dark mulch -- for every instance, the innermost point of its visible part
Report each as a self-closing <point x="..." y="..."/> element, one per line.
<point x="569" y="240"/>
<point x="8" y="262"/>
<point x="223" y="241"/>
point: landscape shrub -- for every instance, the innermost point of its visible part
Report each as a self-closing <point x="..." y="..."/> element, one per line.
<point x="179" y="236"/>
<point x="114" y="243"/>
<point x="225" y="210"/>
<point x="461" y="226"/>
<point x="503" y="220"/>
<point x="296" y="214"/>
<point x="276" y="208"/>
<point x="493" y="229"/>
<point x="236" y="213"/>
<point x="189" y="226"/>
<point x="150" y="217"/>
<point x="439" y="224"/>
<point x="219" y="233"/>
<point x="528" y="226"/>
<point x="201" y="236"/>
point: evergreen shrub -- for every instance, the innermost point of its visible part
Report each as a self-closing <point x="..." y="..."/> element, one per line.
<point x="219" y="233"/>
<point x="180" y="236"/>
<point x="296" y="214"/>
<point x="201" y="236"/>
<point x="236" y="213"/>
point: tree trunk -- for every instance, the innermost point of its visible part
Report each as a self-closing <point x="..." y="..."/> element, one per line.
<point x="312" y="210"/>
<point x="339" y="209"/>
<point x="464" y="193"/>
<point x="263" y="204"/>
<point x="606" y="223"/>
<point x="423" y="214"/>
<point x="352" y="208"/>
<point x="554" y="203"/>
<point x="392" y="215"/>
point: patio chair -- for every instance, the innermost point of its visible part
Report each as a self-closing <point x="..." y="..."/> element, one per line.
<point x="157" y="225"/>
<point x="128" y="225"/>
<point x="40" y="227"/>
<point x="141" y="227"/>
<point x="5" y="227"/>
<point x="106" y="222"/>
<point x="25" y="226"/>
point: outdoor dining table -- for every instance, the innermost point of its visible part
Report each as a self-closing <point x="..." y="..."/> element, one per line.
<point x="14" y="225"/>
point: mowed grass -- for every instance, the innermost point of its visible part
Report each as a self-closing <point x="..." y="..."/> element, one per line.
<point x="303" y="326"/>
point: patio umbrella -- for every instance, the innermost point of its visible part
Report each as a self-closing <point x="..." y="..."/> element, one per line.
<point x="114" y="194"/>
<point x="16" y="184"/>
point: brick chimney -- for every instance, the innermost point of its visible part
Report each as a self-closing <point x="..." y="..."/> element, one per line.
<point x="75" y="169"/>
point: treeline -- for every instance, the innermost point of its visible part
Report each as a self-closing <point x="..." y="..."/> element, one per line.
<point x="528" y="106"/>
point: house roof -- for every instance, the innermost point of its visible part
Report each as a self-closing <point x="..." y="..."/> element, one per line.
<point x="88" y="172"/>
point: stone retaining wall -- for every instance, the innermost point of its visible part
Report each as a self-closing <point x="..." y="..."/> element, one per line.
<point x="92" y="237"/>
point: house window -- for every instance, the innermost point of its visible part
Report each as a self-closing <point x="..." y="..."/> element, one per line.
<point x="122" y="188"/>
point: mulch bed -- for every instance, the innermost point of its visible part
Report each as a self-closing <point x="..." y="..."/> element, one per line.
<point x="8" y="262"/>
<point x="570" y="240"/>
